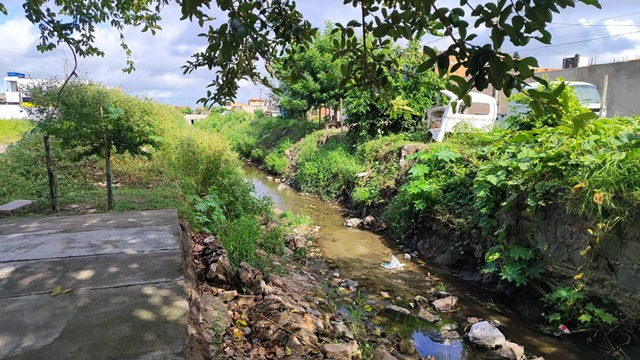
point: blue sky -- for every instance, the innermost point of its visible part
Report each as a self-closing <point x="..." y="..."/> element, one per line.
<point x="607" y="35"/>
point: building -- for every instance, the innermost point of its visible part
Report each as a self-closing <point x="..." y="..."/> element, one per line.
<point x="13" y="100"/>
<point x="270" y="107"/>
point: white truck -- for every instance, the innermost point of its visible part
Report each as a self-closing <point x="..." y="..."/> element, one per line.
<point x="586" y="93"/>
<point x="480" y="115"/>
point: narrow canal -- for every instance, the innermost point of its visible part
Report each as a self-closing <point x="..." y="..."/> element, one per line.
<point x="358" y="254"/>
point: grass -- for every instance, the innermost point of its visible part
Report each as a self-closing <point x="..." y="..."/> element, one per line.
<point x="13" y="130"/>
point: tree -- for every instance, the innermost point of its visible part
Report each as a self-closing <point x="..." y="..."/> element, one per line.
<point x="254" y="30"/>
<point x="96" y="119"/>
<point x="315" y="82"/>
<point x="414" y="93"/>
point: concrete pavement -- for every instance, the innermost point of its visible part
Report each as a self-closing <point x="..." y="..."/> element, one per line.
<point x="128" y="300"/>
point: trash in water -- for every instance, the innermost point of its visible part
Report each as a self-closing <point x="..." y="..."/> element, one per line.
<point x="394" y="264"/>
<point x="562" y="330"/>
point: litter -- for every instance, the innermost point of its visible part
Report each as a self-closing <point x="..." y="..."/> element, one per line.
<point x="394" y="264"/>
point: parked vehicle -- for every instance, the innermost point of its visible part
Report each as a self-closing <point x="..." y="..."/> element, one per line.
<point x="586" y="93"/>
<point x="443" y="119"/>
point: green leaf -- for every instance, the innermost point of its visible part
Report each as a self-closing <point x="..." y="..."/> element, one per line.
<point x="580" y="121"/>
<point x="585" y="318"/>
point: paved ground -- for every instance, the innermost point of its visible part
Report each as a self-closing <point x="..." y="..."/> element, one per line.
<point x="128" y="301"/>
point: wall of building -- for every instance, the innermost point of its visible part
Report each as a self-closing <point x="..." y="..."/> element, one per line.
<point x="623" y="92"/>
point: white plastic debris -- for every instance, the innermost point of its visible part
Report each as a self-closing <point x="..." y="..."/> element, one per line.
<point x="394" y="264"/>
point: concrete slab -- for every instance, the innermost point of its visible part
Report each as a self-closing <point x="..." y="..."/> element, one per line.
<point x="8" y="208"/>
<point x="128" y="300"/>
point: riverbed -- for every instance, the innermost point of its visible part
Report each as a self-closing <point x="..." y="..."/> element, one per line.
<point x="358" y="254"/>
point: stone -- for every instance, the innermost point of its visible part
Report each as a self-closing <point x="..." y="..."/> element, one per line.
<point x="427" y="316"/>
<point x="354" y="223"/>
<point x="8" y="208"/>
<point x="380" y="353"/>
<point x="227" y="296"/>
<point x="398" y="309"/>
<point x="282" y="187"/>
<point x="257" y="287"/>
<point x="214" y="312"/>
<point x="369" y="220"/>
<point x="407" y="257"/>
<point x="407" y="347"/>
<point x="247" y="273"/>
<point x="342" y="330"/>
<point x="208" y="240"/>
<point x="288" y="252"/>
<point x="511" y="351"/>
<point x="246" y="300"/>
<point x="421" y="300"/>
<point x="486" y="335"/>
<point x="449" y="335"/>
<point x="300" y="241"/>
<point x="269" y="178"/>
<point x="445" y="304"/>
<point x="338" y="351"/>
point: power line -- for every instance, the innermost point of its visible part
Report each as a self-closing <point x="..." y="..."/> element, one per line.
<point x="579" y="41"/>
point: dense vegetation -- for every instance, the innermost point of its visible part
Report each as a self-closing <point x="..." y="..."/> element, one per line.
<point x="469" y="189"/>
<point x="181" y="167"/>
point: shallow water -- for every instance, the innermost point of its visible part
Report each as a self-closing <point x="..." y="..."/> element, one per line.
<point x="358" y="255"/>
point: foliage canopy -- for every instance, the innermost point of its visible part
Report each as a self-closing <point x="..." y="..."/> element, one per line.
<point x="255" y="30"/>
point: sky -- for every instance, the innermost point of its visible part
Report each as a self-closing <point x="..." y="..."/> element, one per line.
<point x="611" y="34"/>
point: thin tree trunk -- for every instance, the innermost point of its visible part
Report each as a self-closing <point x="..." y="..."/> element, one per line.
<point x="107" y="161"/>
<point x="53" y="196"/>
<point x="107" y="165"/>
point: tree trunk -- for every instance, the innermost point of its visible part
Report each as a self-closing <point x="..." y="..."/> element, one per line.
<point x="107" y="161"/>
<point x="53" y="196"/>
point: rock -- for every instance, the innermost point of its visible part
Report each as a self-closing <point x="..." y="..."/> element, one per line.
<point x="227" y="296"/>
<point x="348" y="350"/>
<point x="269" y="178"/>
<point x="247" y="273"/>
<point x="511" y="351"/>
<point x="348" y="283"/>
<point x="421" y="300"/>
<point x="407" y="257"/>
<point x="354" y="223"/>
<point x="275" y="280"/>
<point x="300" y="241"/>
<point x="369" y="220"/>
<point x="398" y="309"/>
<point x="288" y="252"/>
<point x="342" y="330"/>
<point x="445" y="304"/>
<point x="277" y="180"/>
<point x="246" y="300"/>
<point x="472" y="320"/>
<point x="486" y="335"/>
<point x="380" y="353"/>
<point x="282" y="187"/>
<point x="427" y="316"/>
<point x="257" y="287"/>
<point x="384" y="294"/>
<point x="214" y="313"/>
<point x="449" y="335"/>
<point x="208" y="240"/>
<point x="407" y="347"/>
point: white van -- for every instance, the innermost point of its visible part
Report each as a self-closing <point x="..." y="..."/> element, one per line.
<point x="480" y="115"/>
<point x="586" y="93"/>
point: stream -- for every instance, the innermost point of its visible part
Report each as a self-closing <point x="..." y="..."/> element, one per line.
<point x="358" y="254"/>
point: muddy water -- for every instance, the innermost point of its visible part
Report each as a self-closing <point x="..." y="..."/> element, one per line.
<point x="358" y="255"/>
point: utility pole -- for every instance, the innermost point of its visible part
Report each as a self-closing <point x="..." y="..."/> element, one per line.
<point x="65" y="62"/>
